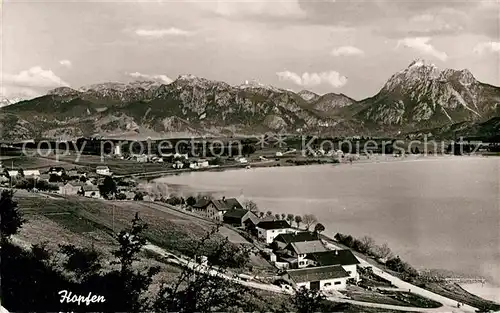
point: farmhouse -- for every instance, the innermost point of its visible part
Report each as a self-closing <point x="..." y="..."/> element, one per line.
<point x="70" y="189"/>
<point x="90" y="191"/>
<point x="344" y="258"/>
<point x="13" y="173"/>
<point x="57" y="170"/>
<point x="268" y="230"/>
<point x="238" y="217"/>
<point x="283" y="240"/>
<point x="215" y="209"/>
<point x="332" y="277"/>
<point x="295" y="253"/>
<point x="102" y="170"/>
<point x="31" y="173"/>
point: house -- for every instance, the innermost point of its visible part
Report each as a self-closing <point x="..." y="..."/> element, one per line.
<point x="73" y="174"/>
<point x="344" y="258"/>
<point x="90" y="191"/>
<point x="178" y="164"/>
<point x="57" y="170"/>
<point x="237" y="217"/>
<point x="332" y="277"/>
<point x="13" y="173"/>
<point x="31" y="173"/>
<point x="215" y="209"/>
<point x="201" y="163"/>
<point x="295" y="252"/>
<point x="44" y="177"/>
<point x="284" y="240"/>
<point x="70" y="189"/>
<point x="268" y="230"/>
<point x="102" y="170"/>
<point x="148" y="198"/>
<point x="129" y="195"/>
<point x="140" y="158"/>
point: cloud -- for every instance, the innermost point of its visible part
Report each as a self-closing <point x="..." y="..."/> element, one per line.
<point x="422" y="45"/>
<point x="491" y="46"/>
<point x="66" y="63"/>
<point x="159" y="33"/>
<point x="332" y="78"/>
<point x="34" y="77"/>
<point x="30" y="83"/>
<point x="159" y="78"/>
<point x="238" y="9"/>
<point x="347" y="51"/>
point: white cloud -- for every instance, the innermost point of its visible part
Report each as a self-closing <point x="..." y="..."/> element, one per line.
<point x="159" y="78"/>
<point x="347" y="51"/>
<point x="422" y="45"/>
<point x="159" y="33"/>
<point x="332" y="78"/>
<point x="490" y="46"/>
<point x="66" y="63"/>
<point x="34" y="77"/>
<point x="275" y="8"/>
<point x="30" y="83"/>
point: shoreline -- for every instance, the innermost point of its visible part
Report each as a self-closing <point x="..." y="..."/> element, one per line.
<point x="487" y="291"/>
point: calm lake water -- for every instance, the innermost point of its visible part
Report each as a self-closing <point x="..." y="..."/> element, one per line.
<point x="434" y="213"/>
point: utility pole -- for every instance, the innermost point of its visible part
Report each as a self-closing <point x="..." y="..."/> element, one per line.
<point x="113" y="225"/>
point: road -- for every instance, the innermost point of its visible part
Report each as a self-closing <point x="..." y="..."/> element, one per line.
<point x="450" y="305"/>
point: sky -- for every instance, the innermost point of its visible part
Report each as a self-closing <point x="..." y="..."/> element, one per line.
<point x="340" y="46"/>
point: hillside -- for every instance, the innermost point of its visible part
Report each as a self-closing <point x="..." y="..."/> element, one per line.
<point x="418" y="97"/>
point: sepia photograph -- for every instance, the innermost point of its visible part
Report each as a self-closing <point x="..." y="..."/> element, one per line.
<point x="250" y="156"/>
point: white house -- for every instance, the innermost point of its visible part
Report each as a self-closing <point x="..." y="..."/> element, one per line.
<point x="299" y="251"/>
<point x="31" y="173"/>
<point x="332" y="277"/>
<point x="13" y="173"/>
<point x="268" y="230"/>
<point x="102" y="170"/>
<point x="201" y="163"/>
<point x="59" y="171"/>
<point x="344" y="258"/>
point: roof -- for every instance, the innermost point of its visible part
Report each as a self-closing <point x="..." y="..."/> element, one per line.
<point x="296" y="237"/>
<point x="102" y="168"/>
<point x="75" y="184"/>
<point x="280" y="224"/>
<point x="306" y="247"/>
<point x="317" y="273"/>
<point x="56" y="168"/>
<point x="227" y="204"/>
<point x="332" y="257"/>
<point x="72" y="173"/>
<point x="90" y="188"/>
<point x="201" y="203"/>
<point x="236" y="213"/>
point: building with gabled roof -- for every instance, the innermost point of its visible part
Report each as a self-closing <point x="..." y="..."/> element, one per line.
<point x="344" y="258"/>
<point x="332" y="277"/>
<point x="268" y="230"/>
<point x="282" y="240"/>
<point x="238" y="217"/>
<point x="215" y="209"/>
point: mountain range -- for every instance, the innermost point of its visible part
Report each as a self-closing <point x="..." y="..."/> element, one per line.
<point x="420" y="96"/>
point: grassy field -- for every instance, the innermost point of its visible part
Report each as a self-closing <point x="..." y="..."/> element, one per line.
<point x="390" y="297"/>
<point x="84" y="218"/>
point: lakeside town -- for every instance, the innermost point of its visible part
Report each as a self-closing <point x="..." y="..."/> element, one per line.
<point x="291" y="252"/>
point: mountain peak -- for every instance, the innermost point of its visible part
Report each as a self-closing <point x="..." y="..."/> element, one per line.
<point x="419" y="63"/>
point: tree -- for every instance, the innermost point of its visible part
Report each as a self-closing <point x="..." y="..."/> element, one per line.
<point x="251" y="206"/>
<point x="108" y="187"/>
<point x="308" y="300"/>
<point x="269" y="213"/>
<point x="121" y="196"/>
<point x="11" y="219"/>
<point x="283" y="216"/>
<point x="138" y="196"/>
<point x="383" y="251"/>
<point x="366" y="244"/>
<point x="289" y="218"/>
<point x="298" y="220"/>
<point x="319" y="228"/>
<point x="261" y="214"/>
<point x="277" y="216"/>
<point x="309" y="220"/>
<point x="191" y="201"/>
<point x="21" y="172"/>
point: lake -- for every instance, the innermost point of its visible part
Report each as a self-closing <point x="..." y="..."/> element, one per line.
<point x="438" y="213"/>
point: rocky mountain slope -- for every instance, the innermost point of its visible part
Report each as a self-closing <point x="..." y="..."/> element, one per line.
<point x="424" y="96"/>
<point x="420" y="96"/>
